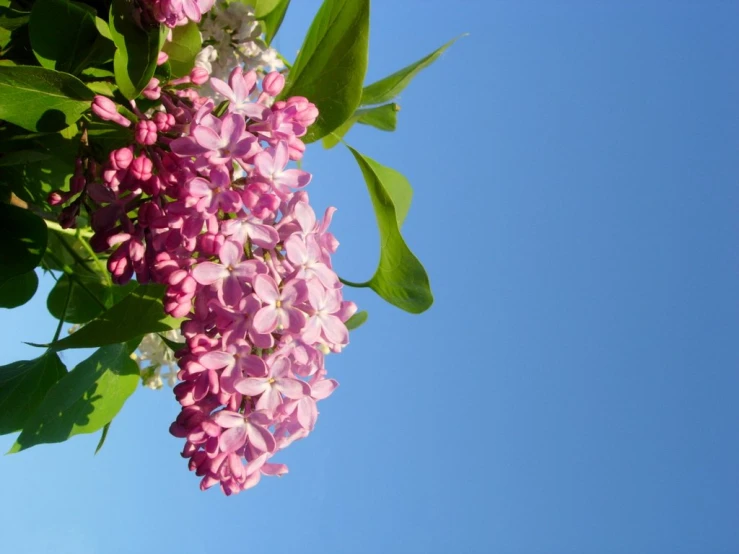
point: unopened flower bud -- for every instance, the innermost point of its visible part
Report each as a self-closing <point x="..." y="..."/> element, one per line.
<point x="106" y="109"/>
<point x="273" y="83"/>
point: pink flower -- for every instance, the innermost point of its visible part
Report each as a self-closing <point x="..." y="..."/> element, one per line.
<point x="323" y="322"/>
<point x="270" y="164"/>
<point x="241" y="428"/>
<point x="231" y="277"/>
<point x="214" y="194"/>
<point x="273" y="386"/>
<point x="238" y="93"/>
<point x="279" y="311"/>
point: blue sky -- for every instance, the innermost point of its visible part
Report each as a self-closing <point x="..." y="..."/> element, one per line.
<point x="574" y="387"/>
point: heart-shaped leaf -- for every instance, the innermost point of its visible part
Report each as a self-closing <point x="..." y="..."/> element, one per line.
<point x="400" y="278"/>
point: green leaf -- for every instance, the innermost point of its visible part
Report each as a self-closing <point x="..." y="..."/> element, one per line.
<point x="11" y="19"/>
<point x="263" y="7"/>
<point x="272" y="21"/>
<point x="84" y="400"/>
<point x="400" y="278"/>
<point x="23" y="241"/>
<point x="186" y="43"/>
<point x="137" y="49"/>
<point x="22" y="157"/>
<point x="139" y="313"/>
<point x="65" y="248"/>
<point x="62" y="34"/>
<point x="388" y="88"/>
<point x="50" y="169"/>
<point x="105" y="136"/>
<point x="103" y="28"/>
<point x="357" y="320"/>
<point x="18" y="290"/>
<point x="384" y="118"/>
<point x="23" y="386"/>
<point x="103" y="436"/>
<point x="91" y="295"/>
<point x="332" y="62"/>
<point x="40" y="99"/>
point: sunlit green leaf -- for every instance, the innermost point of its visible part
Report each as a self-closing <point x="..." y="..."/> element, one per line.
<point x="139" y="313"/>
<point x="137" y="49"/>
<point x="400" y="278"/>
<point x="84" y="400"/>
<point x="357" y="320"/>
<point x="40" y="99"/>
<point x="332" y="62"/>
<point x="388" y="88"/>
<point x="186" y="43"/>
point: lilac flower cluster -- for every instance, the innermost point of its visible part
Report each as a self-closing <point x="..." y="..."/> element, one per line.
<point x="208" y="205"/>
<point x="178" y="12"/>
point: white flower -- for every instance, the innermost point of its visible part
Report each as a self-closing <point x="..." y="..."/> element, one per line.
<point x="156" y="360"/>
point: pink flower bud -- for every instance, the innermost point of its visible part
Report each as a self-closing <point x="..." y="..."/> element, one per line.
<point x="152" y="90"/>
<point x="141" y="168"/>
<point x="106" y="109"/>
<point x="121" y="158"/>
<point x="163" y="121"/>
<point x="146" y="132"/>
<point x="162" y="58"/>
<point x="199" y="75"/>
<point x="273" y="83"/>
<point x="55" y="198"/>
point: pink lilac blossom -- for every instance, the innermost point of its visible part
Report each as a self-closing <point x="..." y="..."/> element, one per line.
<point x="244" y="260"/>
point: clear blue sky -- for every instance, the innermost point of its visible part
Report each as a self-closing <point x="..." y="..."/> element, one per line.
<point x="574" y="388"/>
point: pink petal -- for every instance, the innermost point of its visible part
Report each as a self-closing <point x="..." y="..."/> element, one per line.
<point x="217" y="360"/>
<point x="265" y="320"/>
<point x="233" y="439"/>
<point x="264" y="164"/>
<point x="222" y="88"/>
<point x="252" y="386"/>
<point x="263" y="235"/>
<point x="208" y="138"/>
<point x="312" y="330"/>
<point x="323" y="388"/>
<point x="335" y="330"/>
<point x="230" y="253"/>
<point x="274" y="469"/>
<point x="297" y="251"/>
<point x="294" y="178"/>
<point x="292" y="388"/>
<point x="228" y="419"/>
<point x="238" y="85"/>
<point x="260" y="438"/>
<point x="186" y="147"/>
<point x="307" y="413"/>
<point x="282" y="155"/>
<point x="266" y="290"/>
<point x="270" y="400"/>
<point x="207" y="273"/>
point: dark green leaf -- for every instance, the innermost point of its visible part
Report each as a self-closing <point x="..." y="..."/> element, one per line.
<point x="23" y="386"/>
<point x="23" y="241"/>
<point x="84" y="400"/>
<point x="389" y="87"/>
<point x="400" y="278"/>
<point x="11" y="19"/>
<point x="272" y="21"/>
<point x="172" y="345"/>
<point x="186" y="43"/>
<point x="137" y="49"/>
<point x="332" y="62"/>
<point x="18" y="290"/>
<point x="105" y="136"/>
<point x="22" y="157"/>
<point x="139" y="313"/>
<point x="103" y="436"/>
<point x="62" y="34"/>
<point x="40" y="99"/>
<point x="357" y="320"/>
<point x="50" y="170"/>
